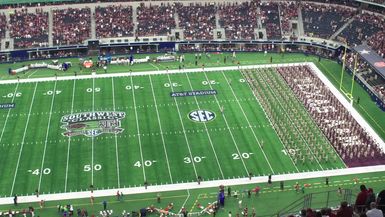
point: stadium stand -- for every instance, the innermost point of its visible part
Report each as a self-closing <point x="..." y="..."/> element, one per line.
<point x="114" y="21"/>
<point x="270" y="20"/>
<point x="239" y="20"/>
<point x="155" y="20"/>
<point x="323" y="20"/>
<point x="377" y="42"/>
<point x="29" y="29"/>
<point x="288" y="11"/>
<point x="3" y="25"/>
<point x="363" y="26"/>
<point x="198" y="21"/>
<point x="71" y="26"/>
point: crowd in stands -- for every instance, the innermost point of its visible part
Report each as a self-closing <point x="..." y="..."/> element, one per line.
<point x="155" y="19"/>
<point x="29" y="29"/>
<point x="288" y="11"/>
<point x="324" y="20"/>
<point x="198" y="21"/>
<point x="377" y="42"/>
<point x="239" y="20"/>
<point x="270" y="20"/>
<point x="363" y="26"/>
<point x="71" y="26"/>
<point x="114" y="21"/>
<point x="3" y="25"/>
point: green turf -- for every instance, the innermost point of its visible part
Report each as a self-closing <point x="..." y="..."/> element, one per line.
<point x="144" y="152"/>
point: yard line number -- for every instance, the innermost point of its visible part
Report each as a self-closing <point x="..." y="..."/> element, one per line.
<point x="88" y="167"/>
<point x="146" y="163"/>
<point x="243" y="155"/>
<point x="36" y="172"/>
<point x="196" y="159"/>
<point x="10" y="95"/>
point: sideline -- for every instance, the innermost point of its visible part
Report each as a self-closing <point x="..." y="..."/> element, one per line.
<point x="192" y="185"/>
<point x="157" y="72"/>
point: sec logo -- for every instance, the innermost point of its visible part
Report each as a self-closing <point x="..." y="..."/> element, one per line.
<point x="201" y="116"/>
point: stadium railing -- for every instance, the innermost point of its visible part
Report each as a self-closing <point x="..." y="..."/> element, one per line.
<point x="317" y="200"/>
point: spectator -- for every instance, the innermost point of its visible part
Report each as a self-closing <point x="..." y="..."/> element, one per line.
<point x="239" y="20"/>
<point x="374" y="212"/>
<point x="361" y="199"/>
<point x="29" y="29"/>
<point x="3" y="25"/>
<point x="114" y="21"/>
<point x="198" y="21"/>
<point x="345" y="210"/>
<point x="155" y="19"/>
<point x="71" y="26"/>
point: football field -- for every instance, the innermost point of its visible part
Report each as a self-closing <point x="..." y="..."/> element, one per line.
<point x="63" y="136"/>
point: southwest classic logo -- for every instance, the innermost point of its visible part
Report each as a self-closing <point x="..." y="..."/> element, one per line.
<point x="201" y="115"/>
<point x="92" y="124"/>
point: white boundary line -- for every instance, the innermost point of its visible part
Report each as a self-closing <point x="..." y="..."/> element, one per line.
<point x="248" y="122"/>
<point x="228" y="128"/>
<point x="22" y="141"/>
<point x="356" y="115"/>
<point x="206" y="129"/>
<point x="184" y="130"/>
<point x="69" y="138"/>
<point x="161" y="130"/>
<point x="92" y="138"/>
<point x="137" y="126"/>
<point x="46" y="136"/>
<point x="194" y="185"/>
<point x="9" y="111"/>
<point x="116" y="137"/>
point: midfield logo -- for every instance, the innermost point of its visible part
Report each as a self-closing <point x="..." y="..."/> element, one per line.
<point x="92" y="124"/>
<point x="201" y="116"/>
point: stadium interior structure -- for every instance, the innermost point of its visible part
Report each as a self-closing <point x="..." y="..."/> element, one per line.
<point x="351" y="32"/>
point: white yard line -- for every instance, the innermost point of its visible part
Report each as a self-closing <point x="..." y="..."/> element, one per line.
<point x="161" y="130"/>
<point x="32" y="73"/>
<point x="184" y="130"/>
<point x="139" y="135"/>
<point x="116" y="138"/>
<point x="291" y="121"/>
<point x="69" y="138"/>
<point x="46" y="136"/>
<point x="9" y="111"/>
<point x="207" y="131"/>
<point x="22" y="141"/>
<point x="271" y="123"/>
<point x="92" y="138"/>
<point x="228" y="128"/>
<point x="248" y="122"/>
<point x="184" y="203"/>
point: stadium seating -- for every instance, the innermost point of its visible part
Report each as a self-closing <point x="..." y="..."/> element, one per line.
<point x="29" y="29"/>
<point x="3" y="25"/>
<point x="155" y="20"/>
<point x="71" y="26"/>
<point x="288" y="11"/>
<point x="323" y="20"/>
<point x="270" y="20"/>
<point x="198" y="21"/>
<point x="114" y="21"/>
<point x="363" y="26"/>
<point x="239" y="20"/>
